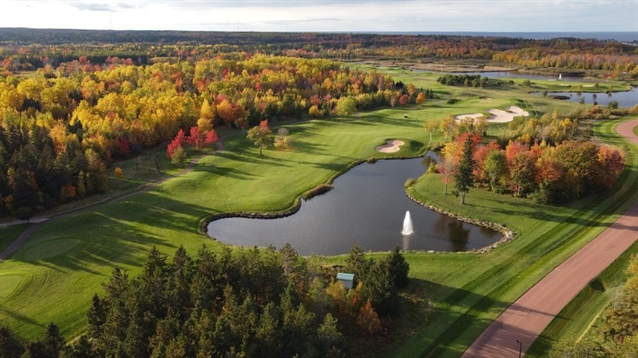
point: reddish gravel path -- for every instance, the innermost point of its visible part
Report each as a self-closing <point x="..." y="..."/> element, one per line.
<point x="626" y="130"/>
<point x="526" y="318"/>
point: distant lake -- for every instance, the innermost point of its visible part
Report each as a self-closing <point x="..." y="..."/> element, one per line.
<point x="625" y="99"/>
<point x="509" y="74"/>
<point x="366" y="207"/>
<point x="623" y="36"/>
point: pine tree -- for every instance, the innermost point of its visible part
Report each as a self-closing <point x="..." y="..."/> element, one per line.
<point x="10" y="344"/>
<point x="398" y="267"/>
<point x="464" y="177"/>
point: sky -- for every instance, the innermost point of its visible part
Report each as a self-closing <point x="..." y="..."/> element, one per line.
<point x="326" y="15"/>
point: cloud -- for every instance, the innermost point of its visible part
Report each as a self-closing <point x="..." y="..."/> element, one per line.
<point x="131" y="5"/>
<point x="326" y="15"/>
<point x="92" y="6"/>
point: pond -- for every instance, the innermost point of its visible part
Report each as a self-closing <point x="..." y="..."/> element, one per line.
<point x="366" y="207"/>
<point x="625" y="99"/>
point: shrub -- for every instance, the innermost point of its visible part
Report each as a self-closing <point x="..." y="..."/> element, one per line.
<point x="371" y="160"/>
<point x="408" y="183"/>
<point x="179" y="157"/>
<point x="24" y="213"/>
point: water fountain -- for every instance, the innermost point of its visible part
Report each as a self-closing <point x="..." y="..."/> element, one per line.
<point x="407" y="224"/>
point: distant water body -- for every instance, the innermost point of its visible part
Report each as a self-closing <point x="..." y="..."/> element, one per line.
<point x="623" y="36"/>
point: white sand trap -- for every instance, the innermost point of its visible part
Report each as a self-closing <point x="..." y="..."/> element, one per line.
<point x="470" y="115"/>
<point x="517" y="111"/>
<point x="390" y="146"/>
<point x="500" y="116"/>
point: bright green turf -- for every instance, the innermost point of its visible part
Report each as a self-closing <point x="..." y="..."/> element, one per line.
<point x="56" y="285"/>
<point x="471" y="290"/>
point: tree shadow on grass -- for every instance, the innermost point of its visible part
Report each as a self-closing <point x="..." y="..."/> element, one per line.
<point x="454" y="314"/>
<point x="19" y="317"/>
<point x="455" y="322"/>
<point x="223" y="170"/>
<point x="120" y="234"/>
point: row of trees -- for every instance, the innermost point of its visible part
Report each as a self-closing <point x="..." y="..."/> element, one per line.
<point x="463" y="80"/>
<point x="247" y="302"/>
<point x="29" y="49"/>
<point x="549" y="174"/>
<point x="60" y="130"/>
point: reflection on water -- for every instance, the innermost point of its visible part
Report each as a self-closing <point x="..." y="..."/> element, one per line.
<point x="625" y="99"/>
<point x="366" y="207"/>
<point x="459" y="236"/>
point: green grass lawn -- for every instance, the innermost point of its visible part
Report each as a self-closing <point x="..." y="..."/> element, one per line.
<point x="10" y="233"/>
<point x="53" y="277"/>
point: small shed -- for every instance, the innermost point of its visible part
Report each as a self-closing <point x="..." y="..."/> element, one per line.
<point x="346" y="279"/>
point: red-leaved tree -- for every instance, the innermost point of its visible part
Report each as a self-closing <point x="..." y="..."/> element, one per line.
<point x="178" y="141"/>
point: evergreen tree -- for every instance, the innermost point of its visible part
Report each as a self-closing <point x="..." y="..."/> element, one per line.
<point x="82" y="348"/>
<point x="53" y="340"/>
<point x="10" y="344"/>
<point x="357" y="263"/>
<point x="464" y="177"/>
<point x="328" y="336"/>
<point x="398" y="267"/>
<point x="379" y="287"/>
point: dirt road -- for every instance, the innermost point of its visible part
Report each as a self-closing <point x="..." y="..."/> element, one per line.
<point x="526" y="318"/>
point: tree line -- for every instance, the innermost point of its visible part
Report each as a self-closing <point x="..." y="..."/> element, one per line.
<point x="235" y="303"/>
<point x="30" y="49"/>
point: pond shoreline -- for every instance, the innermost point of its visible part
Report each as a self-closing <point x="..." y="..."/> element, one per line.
<point x="507" y="234"/>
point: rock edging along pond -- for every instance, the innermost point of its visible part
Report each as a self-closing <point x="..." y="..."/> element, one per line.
<point x="508" y="235"/>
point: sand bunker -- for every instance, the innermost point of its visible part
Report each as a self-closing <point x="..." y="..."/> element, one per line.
<point x="498" y="115"/>
<point x="469" y="115"/>
<point x="390" y="146"/>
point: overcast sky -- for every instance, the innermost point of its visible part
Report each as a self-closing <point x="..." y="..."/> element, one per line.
<point x="326" y="15"/>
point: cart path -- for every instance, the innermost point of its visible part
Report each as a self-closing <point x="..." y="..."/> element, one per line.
<point x="39" y="221"/>
<point x="525" y="319"/>
<point x="626" y="129"/>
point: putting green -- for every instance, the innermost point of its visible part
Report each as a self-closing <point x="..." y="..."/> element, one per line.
<point x="49" y="249"/>
<point x="8" y="284"/>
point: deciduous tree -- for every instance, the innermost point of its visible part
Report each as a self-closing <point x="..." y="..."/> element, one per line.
<point x="260" y="135"/>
